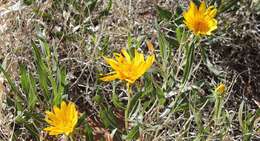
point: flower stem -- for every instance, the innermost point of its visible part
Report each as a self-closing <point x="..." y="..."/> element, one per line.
<point x="129" y="91"/>
<point x="218" y="108"/>
<point x="71" y="138"/>
<point x="65" y="138"/>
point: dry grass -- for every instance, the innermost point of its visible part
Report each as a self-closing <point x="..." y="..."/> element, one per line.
<point x="6" y="117"/>
<point x="234" y="50"/>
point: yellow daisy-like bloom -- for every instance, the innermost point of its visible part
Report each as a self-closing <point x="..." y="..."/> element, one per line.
<point x="62" y="120"/>
<point x="127" y="68"/>
<point x="220" y="89"/>
<point x="200" y="20"/>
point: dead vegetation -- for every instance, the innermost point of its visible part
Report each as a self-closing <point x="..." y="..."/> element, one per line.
<point x="82" y="37"/>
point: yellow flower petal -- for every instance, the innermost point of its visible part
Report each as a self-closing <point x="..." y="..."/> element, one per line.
<point x="109" y="77"/>
<point x="220" y="89"/>
<point x="126" y="55"/>
<point x="127" y="68"/>
<point x="149" y="61"/>
<point x="200" y="20"/>
<point x="193" y="8"/>
<point x="111" y="62"/>
<point x="202" y="7"/>
<point x="62" y="120"/>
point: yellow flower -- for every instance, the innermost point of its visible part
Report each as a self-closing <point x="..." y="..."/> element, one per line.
<point x="62" y="120"/>
<point x="127" y="68"/>
<point x="220" y="89"/>
<point x="200" y="20"/>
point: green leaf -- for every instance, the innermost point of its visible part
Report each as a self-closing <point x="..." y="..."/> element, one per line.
<point x="32" y="130"/>
<point x="242" y="122"/>
<point x="90" y="5"/>
<point x="240" y="115"/>
<point x="38" y="118"/>
<point x="160" y="95"/>
<point x="246" y="123"/>
<point x="104" y="45"/>
<point x="116" y="101"/>
<point x="28" y="2"/>
<point x="129" y="41"/>
<point x="98" y="99"/>
<point x="189" y="57"/>
<point x="29" y="87"/>
<point x="37" y="54"/>
<point x="50" y="74"/>
<point x="164" y="49"/>
<point x="56" y="97"/>
<point x="43" y="81"/>
<point x="179" y="12"/>
<point x="163" y="14"/>
<point x="81" y="119"/>
<point x="20" y="118"/>
<point x="45" y="48"/>
<point x="62" y="82"/>
<point x="197" y="116"/>
<point x="197" y="2"/>
<point x="26" y="120"/>
<point x="105" y="12"/>
<point x="138" y="42"/>
<point x="11" y="83"/>
<point x="218" y="2"/>
<point x="179" y="34"/>
<point x="227" y="5"/>
<point x="10" y="101"/>
<point x="42" y="69"/>
<point x="32" y="98"/>
<point x="25" y="82"/>
<point x="108" y="118"/>
<point x="88" y="132"/>
<point x="133" y="133"/>
<point x="133" y="103"/>
<point x="181" y="107"/>
<point x="148" y="85"/>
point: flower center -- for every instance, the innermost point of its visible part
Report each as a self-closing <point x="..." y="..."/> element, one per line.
<point x="201" y="26"/>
